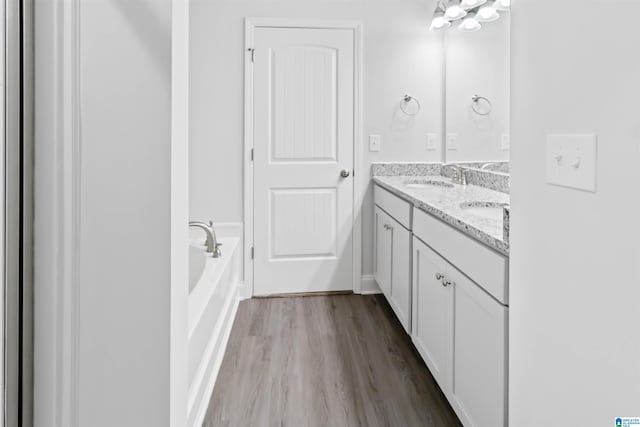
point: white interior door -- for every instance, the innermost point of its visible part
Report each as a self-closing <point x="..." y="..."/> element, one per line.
<point x="303" y="142"/>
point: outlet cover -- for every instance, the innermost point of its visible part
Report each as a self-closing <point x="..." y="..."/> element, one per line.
<point x="432" y="142"/>
<point x="452" y="141"/>
<point x="375" y="141"/>
<point x="571" y="161"/>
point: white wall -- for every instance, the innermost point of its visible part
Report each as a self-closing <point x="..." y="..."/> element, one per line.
<point x="575" y="258"/>
<point x="478" y="64"/>
<point x="2" y="187"/>
<point x="124" y="295"/>
<point x="400" y="56"/>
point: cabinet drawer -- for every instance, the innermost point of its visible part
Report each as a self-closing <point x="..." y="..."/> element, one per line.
<point x="484" y="266"/>
<point x="399" y="209"/>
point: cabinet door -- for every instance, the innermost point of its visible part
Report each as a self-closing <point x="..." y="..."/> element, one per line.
<point x="400" y="297"/>
<point x="478" y="374"/>
<point x="382" y="259"/>
<point x="430" y="310"/>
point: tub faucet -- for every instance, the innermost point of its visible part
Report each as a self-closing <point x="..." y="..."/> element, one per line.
<point x="213" y="247"/>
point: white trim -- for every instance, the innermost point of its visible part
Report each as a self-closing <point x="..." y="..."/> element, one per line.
<point x="359" y="184"/>
<point x="248" y="162"/>
<point x="57" y="220"/>
<point x="179" y="293"/>
<point x="369" y="286"/>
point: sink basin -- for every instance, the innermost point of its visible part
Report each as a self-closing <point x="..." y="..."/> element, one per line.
<point x="424" y="183"/>
<point x="489" y="210"/>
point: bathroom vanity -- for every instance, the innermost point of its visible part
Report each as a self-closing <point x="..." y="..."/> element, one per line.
<point x="441" y="260"/>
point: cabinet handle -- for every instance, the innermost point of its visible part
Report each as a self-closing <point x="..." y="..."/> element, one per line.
<point x="439" y="276"/>
<point x="447" y="283"/>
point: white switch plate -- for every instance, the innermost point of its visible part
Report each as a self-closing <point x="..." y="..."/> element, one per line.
<point x="374" y="143"/>
<point x="571" y="161"/>
<point x="452" y="141"/>
<point x="432" y="141"/>
<point x="506" y="142"/>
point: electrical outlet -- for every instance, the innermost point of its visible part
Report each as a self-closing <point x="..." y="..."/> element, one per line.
<point x="375" y="141"/>
<point x="452" y="142"/>
<point x="506" y="142"/>
<point x="432" y="142"/>
<point x="571" y="161"/>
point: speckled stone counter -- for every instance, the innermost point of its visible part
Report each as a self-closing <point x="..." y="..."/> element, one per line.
<point x="445" y="203"/>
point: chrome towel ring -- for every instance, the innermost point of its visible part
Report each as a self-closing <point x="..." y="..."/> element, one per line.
<point x="478" y="108"/>
<point x="408" y="99"/>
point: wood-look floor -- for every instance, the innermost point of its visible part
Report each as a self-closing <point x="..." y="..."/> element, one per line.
<point x="332" y="361"/>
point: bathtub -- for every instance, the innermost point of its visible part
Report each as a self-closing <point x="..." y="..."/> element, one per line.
<point x="213" y="301"/>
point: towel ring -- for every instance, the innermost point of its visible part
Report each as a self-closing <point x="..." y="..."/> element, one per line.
<point x="475" y="106"/>
<point x="406" y="100"/>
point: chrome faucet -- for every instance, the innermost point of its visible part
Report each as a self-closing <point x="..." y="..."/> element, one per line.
<point x="459" y="177"/>
<point x="213" y="247"/>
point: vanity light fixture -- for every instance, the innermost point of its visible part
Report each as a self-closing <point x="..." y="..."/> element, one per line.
<point x="503" y="5"/>
<point x="470" y="23"/>
<point x="439" y="23"/>
<point x="471" y="13"/>
<point x="453" y="10"/>
<point x="470" y="4"/>
<point x="488" y="13"/>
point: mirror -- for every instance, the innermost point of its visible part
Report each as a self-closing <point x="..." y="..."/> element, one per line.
<point x="477" y="93"/>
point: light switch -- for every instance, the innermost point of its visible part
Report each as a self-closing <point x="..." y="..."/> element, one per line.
<point x="571" y="161"/>
<point x="452" y="141"/>
<point x="506" y="142"/>
<point x="432" y="142"/>
<point x="374" y="142"/>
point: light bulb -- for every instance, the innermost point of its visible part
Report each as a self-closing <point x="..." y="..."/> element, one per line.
<point x="454" y="11"/>
<point x="488" y="13"/>
<point x="504" y="5"/>
<point x="439" y="22"/>
<point x="470" y="4"/>
<point x="469" y="24"/>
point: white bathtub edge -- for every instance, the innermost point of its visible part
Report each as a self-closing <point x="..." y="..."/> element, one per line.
<point x="215" y="362"/>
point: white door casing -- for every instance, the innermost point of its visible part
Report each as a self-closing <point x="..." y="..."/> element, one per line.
<point x="303" y="139"/>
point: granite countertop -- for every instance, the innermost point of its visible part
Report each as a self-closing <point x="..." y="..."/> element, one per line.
<point x="445" y="204"/>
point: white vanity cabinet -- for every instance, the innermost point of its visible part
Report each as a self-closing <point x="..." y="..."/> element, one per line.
<point x="383" y="250"/>
<point x="392" y="258"/>
<point x="451" y="294"/>
<point x="431" y="311"/>
<point x="477" y="377"/>
<point x="459" y="328"/>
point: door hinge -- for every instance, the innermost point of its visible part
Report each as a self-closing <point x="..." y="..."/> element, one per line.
<point x="252" y="252"/>
<point x="252" y="154"/>
<point x="253" y="53"/>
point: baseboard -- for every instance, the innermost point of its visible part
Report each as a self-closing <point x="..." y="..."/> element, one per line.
<point x="216" y="359"/>
<point x="369" y="286"/>
<point x="244" y="292"/>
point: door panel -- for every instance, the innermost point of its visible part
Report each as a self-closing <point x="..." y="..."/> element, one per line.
<point x="478" y="372"/>
<point x="303" y="140"/>
<point x="303" y="223"/>
<point x="401" y="274"/>
<point x="430" y="310"/>
<point x="383" y="252"/>
<point x="304" y="92"/>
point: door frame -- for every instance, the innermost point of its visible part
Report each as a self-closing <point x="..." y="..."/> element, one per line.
<point x="359" y="184"/>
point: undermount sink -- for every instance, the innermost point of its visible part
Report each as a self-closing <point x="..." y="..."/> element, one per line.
<point x="490" y="210"/>
<point x="423" y="183"/>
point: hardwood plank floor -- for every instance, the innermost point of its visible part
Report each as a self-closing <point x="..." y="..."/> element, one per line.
<point x="337" y="361"/>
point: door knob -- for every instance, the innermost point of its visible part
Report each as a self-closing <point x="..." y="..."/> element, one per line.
<point x="345" y="173"/>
